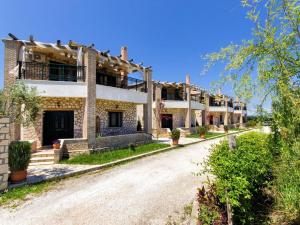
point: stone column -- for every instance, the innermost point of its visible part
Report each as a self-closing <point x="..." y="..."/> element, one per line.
<point x="206" y="111"/>
<point x="188" y="118"/>
<point x="89" y="121"/>
<point x="226" y="112"/>
<point x="241" y="116"/>
<point x="4" y="142"/>
<point x="147" y="108"/>
<point x="11" y="57"/>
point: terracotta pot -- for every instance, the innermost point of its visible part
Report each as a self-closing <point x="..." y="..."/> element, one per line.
<point x="202" y="136"/>
<point x="18" y="176"/>
<point x="56" y="146"/>
<point x="175" y="142"/>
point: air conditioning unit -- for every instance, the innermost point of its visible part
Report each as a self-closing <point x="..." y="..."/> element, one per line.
<point x="39" y="58"/>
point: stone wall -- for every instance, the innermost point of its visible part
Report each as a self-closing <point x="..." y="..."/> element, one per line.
<point x="4" y="142"/>
<point x="103" y="107"/>
<point x="70" y="148"/>
<point x="121" y="141"/>
<point x="55" y="104"/>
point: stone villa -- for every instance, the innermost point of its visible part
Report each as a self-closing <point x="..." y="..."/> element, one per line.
<point x="93" y="99"/>
<point x="85" y="93"/>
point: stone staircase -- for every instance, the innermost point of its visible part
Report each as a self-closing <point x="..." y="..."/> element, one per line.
<point x="42" y="157"/>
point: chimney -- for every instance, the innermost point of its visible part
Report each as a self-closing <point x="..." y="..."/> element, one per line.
<point x="187" y="79"/>
<point x="124" y="53"/>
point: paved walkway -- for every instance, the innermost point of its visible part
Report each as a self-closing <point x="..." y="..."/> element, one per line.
<point x="140" y="192"/>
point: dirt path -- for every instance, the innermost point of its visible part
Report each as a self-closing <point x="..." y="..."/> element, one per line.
<point x="141" y="192"/>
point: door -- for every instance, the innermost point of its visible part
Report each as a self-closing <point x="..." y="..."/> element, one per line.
<point x="56" y="125"/>
<point x="167" y="121"/>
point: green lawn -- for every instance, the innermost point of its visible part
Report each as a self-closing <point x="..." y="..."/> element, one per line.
<point x="237" y="129"/>
<point x="207" y="135"/>
<point x="109" y="156"/>
<point x="11" y="197"/>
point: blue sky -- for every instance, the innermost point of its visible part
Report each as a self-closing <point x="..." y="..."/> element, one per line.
<point x="169" y="35"/>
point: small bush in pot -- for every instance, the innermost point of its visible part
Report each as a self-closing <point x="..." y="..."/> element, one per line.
<point x="175" y="135"/>
<point x="226" y="128"/>
<point x="201" y="131"/>
<point x="56" y="144"/>
<point x="18" y="160"/>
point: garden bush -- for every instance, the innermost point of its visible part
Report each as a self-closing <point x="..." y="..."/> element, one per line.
<point x="175" y="134"/>
<point x="287" y="185"/>
<point x="19" y="155"/>
<point x="242" y="172"/>
<point x="201" y="130"/>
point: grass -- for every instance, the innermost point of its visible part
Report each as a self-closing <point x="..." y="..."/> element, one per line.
<point x="110" y="156"/>
<point x="237" y="129"/>
<point x="13" y="196"/>
<point x="207" y="135"/>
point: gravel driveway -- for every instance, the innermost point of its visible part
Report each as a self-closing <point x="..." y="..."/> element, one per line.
<point x="145" y="191"/>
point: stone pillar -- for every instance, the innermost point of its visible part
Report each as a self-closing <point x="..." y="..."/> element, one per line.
<point x="89" y="121"/>
<point x="158" y="88"/>
<point x="188" y="118"/>
<point x="148" y="107"/>
<point x="226" y="112"/>
<point x="4" y="142"/>
<point x="206" y="111"/>
<point x="241" y="116"/>
<point x="11" y="56"/>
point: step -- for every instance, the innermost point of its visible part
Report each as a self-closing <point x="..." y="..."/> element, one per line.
<point x="42" y="159"/>
<point x="42" y="154"/>
<point x="33" y="164"/>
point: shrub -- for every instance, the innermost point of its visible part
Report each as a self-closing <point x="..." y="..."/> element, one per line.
<point x="201" y="130"/>
<point x="251" y="123"/>
<point x="139" y="126"/>
<point x="132" y="146"/>
<point x="242" y="172"/>
<point x="19" y="155"/>
<point x="287" y="184"/>
<point x="175" y="135"/>
<point x="226" y="128"/>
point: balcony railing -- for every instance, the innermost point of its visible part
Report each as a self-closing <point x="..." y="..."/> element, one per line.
<point x="119" y="81"/>
<point x="239" y="108"/>
<point x="51" y="71"/>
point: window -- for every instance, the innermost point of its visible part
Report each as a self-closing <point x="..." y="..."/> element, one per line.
<point x="115" y="119"/>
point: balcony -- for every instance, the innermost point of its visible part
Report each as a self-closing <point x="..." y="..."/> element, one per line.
<point x="120" y="88"/>
<point x="51" y="71"/>
<point x="118" y="81"/>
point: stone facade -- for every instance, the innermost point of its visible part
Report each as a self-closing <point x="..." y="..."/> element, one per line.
<point x="4" y="142"/>
<point x="103" y="107"/>
<point x="55" y="104"/>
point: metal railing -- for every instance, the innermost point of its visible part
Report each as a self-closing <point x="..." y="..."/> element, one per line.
<point x="51" y="71"/>
<point x="120" y="81"/>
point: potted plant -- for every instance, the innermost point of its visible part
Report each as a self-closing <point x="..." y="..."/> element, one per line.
<point x="202" y="131"/>
<point x="18" y="160"/>
<point x="139" y="126"/>
<point x="226" y="128"/>
<point x="56" y="144"/>
<point x="175" y="135"/>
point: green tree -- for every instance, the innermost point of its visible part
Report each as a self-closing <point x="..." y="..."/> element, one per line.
<point x="20" y="103"/>
<point x="269" y="63"/>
